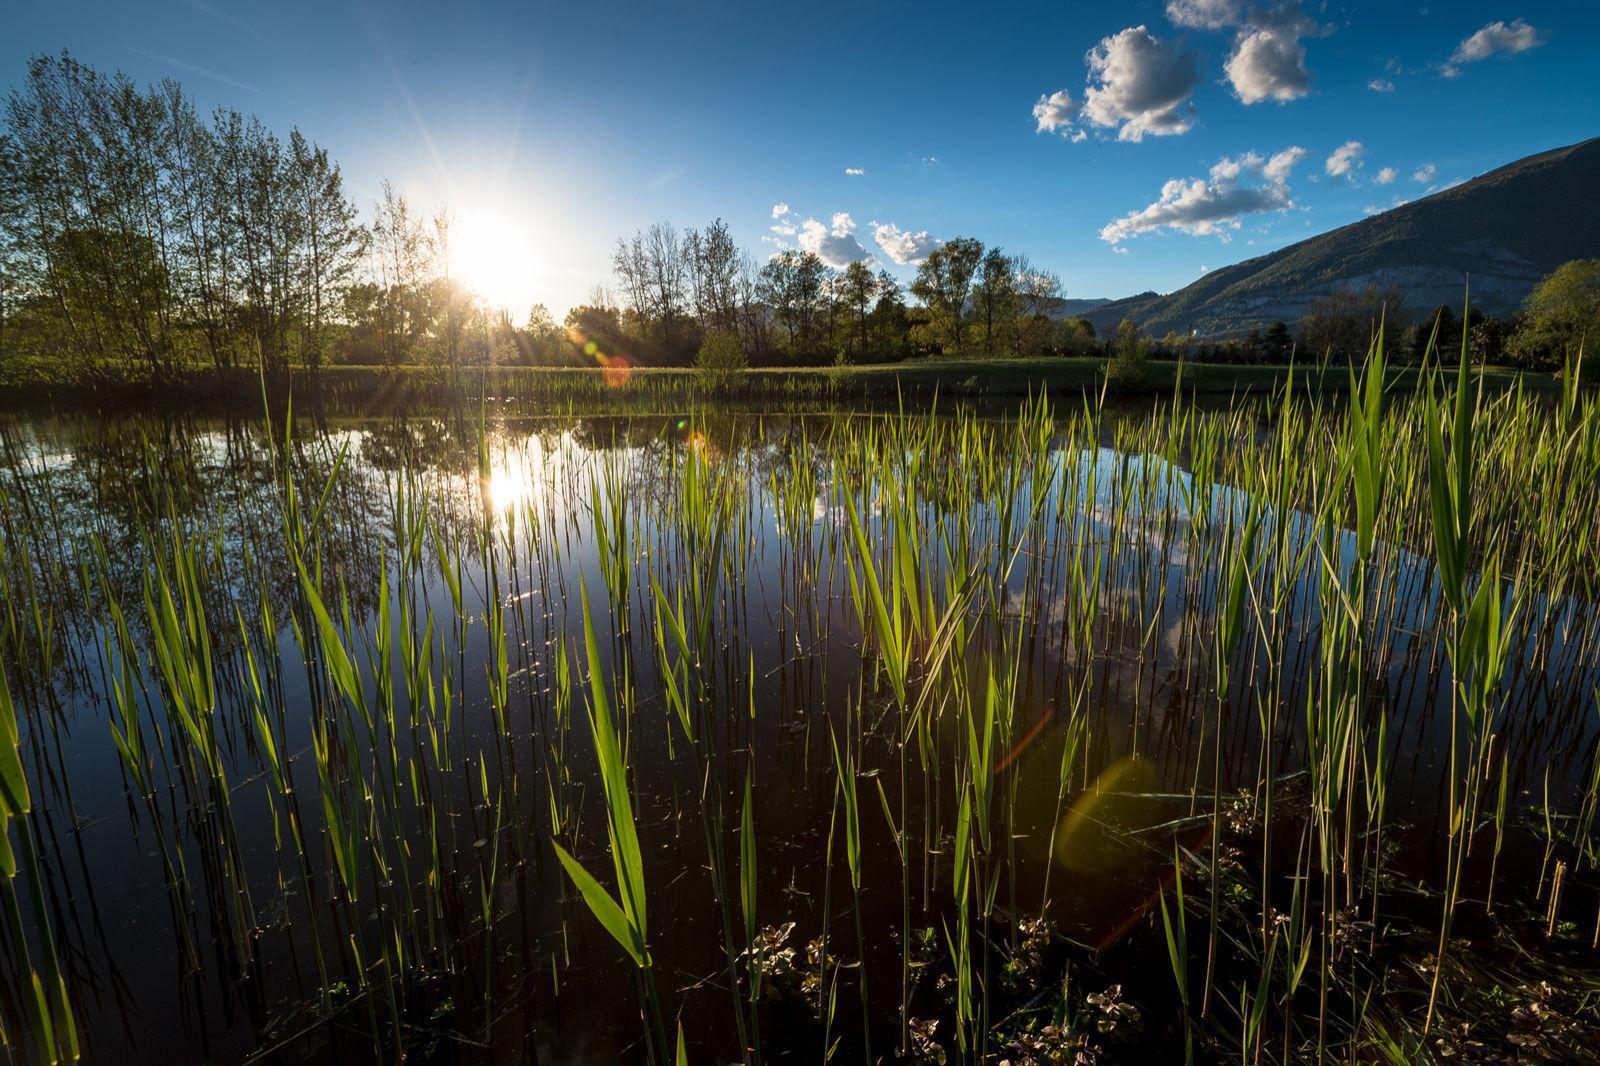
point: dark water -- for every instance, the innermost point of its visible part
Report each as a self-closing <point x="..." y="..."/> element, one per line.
<point x="547" y="983"/>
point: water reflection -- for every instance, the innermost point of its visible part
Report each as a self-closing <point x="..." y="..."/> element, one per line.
<point x="504" y="522"/>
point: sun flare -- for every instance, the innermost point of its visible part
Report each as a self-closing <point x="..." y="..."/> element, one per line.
<point x="491" y="254"/>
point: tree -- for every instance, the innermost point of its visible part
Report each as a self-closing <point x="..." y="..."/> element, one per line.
<point x="792" y="285"/>
<point x="1279" y="342"/>
<point x="665" y="276"/>
<point x="713" y="261"/>
<point x="1560" y="316"/>
<point x="1447" y="338"/>
<point x="943" y="282"/>
<point x="1342" y="324"/>
<point x="1076" y="337"/>
<point x="995" y="300"/>
<point x="1129" y="364"/>
<point x="857" y="288"/>
<point x="13" y="262"/>
<point x="889" y="325"/>
<point x="402" y="254"/>
<point x="596" y="329"/>
<point x="752" y="315"/>
<point x="630" y="264"/>
<point x="721" y="357"/>
<point x="98" y="212"/>
<point x="332" y="240"/>
<point x="541" y="339"/>
<point x="1038" y="295"/>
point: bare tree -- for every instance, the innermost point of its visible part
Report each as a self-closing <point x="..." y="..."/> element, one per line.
<point x="666" y="279"/>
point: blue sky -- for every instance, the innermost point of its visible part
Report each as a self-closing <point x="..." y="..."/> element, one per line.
<point x="566" y="126"/>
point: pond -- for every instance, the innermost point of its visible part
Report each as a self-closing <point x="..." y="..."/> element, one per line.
<point x="1064" y="735"/>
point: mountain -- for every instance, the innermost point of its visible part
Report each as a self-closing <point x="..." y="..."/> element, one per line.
<point x="1505" y="229"/>
<point x="1069" y="308"/>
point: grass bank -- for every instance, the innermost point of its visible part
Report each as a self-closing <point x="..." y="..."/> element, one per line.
<point x="976" y="380"/>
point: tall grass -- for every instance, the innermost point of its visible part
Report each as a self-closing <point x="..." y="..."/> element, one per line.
<point x="1091" y="681"/>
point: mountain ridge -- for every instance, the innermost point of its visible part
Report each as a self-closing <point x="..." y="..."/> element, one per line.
<point x="1504" y="230"/>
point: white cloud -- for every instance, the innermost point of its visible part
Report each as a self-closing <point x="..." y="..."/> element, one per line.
<point x="1345" y="159"/>
<point x="1268" y="65"/>
<point x="1205" y="14"/>
<point x="835" y="243"/>
<point x="1278" y="167"/>
<point x="1054" y="113"/>
<point x="1137" y="84"/>
<point x="1200" y="206"/>
<point x="854" y="172"/>
<point x="1424" y="174"/>
<point x="1227" y="169"/>
<point x="1493" y="38"/>
<point x="1381" y="85"/>
<point x="1386" y="175"/>
<point x="780" y="209"/>
<point x="1268" y="62"/>
<point x="903" y="246"/>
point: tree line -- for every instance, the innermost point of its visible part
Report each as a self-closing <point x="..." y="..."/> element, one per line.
<point x="141" y="239"/>
<point x="1559" y="318"/>
<point x="673" y="289"/>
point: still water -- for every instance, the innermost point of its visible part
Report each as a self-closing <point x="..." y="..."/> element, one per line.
<point x="1086" y="567"/>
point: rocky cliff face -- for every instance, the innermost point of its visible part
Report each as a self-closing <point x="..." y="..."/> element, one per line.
<point x="1503" y="231"/>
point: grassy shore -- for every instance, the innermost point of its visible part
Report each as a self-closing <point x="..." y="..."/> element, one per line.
<point x="921" y="380"/>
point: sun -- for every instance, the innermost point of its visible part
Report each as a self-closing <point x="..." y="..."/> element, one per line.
<point x="492" y="255"/>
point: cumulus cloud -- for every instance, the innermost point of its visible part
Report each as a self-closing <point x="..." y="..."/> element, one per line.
<point x="780" y="209"/>
<point x="1267" y="62"/>
<point x="1268" y="65"/>
<point x="855" y="172"/>
<point x="903" y="246"/>
<point x="1137" y="85"/>
<point x="1054" y="113"/>
<point x="1345" y="159"/>
<point x="1205" y="14"/>
<point x="835" y="242"/>
<point x="1386" y="175"/>
<point x="1494" y="38"/>
<point x="1281" y="163"/>
<point x="1381" y="85"/>
<point x="1424" y="174"/>
<point x="1213" y="205"/>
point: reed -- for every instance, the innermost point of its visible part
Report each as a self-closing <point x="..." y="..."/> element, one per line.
<point x="1130" y="686"/>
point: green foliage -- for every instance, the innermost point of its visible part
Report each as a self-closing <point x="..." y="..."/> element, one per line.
<point x="943" y="283"/>
<point x="1561" y="315"/>
<point x="793" y="285"/>
<point x="995" y="301"/>
<point x="1129" y="365"/>
<point x="721" y="358"/>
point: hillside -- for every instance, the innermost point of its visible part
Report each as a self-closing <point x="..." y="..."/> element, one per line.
<point x="1506" y="229"/>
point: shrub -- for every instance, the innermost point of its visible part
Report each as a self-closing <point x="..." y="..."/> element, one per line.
<point x="1129" y="365"/>
<point x="721" y="358"/>
<point x="1561" y="314"/>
